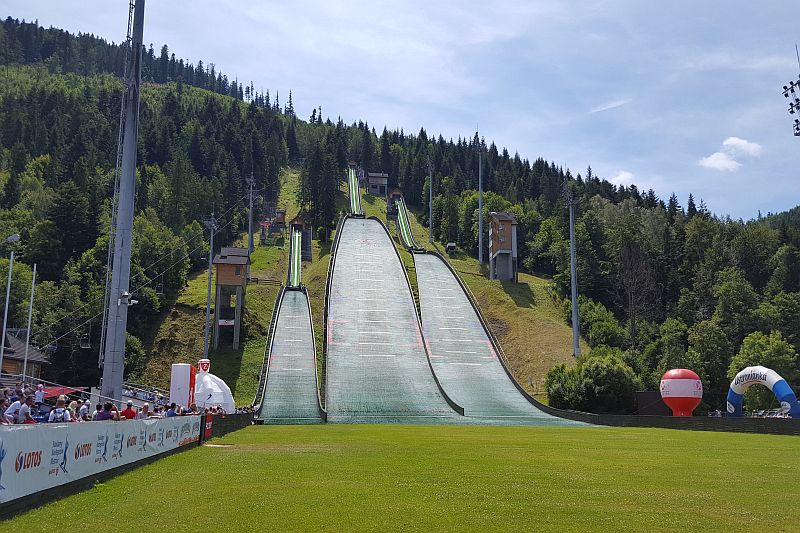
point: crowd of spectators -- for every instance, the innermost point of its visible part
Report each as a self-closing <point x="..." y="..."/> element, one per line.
<point x="24" y="404"/>
<point x="21" y="409"/>
<point x="151" y="396"/>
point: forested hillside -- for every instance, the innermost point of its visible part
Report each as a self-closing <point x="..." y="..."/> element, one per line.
<point x="661" y="285"/>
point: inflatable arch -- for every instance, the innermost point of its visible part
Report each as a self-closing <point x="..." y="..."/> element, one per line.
<point x="759" y="375"/>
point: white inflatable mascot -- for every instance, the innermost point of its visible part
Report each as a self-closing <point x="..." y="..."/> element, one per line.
<point x="209" y="390"/>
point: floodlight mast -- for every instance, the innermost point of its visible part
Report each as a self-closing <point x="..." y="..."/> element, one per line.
<point x="119" y="298"/>
<point x="792" y="93"/>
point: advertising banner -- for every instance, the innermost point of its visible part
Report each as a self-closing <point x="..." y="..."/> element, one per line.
<point x="38" y="457"/>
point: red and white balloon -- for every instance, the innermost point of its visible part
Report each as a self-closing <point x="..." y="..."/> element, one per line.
<point x="681" y="390"/>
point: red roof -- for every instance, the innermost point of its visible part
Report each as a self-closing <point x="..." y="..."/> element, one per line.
<point x="52" y="392"/>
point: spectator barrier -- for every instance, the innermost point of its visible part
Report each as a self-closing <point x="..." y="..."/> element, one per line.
<point x="219" y="425"/>
<point x="43" y="462"/>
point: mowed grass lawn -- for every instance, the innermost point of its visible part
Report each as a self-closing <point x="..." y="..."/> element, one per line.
<point x="400" y="478"/>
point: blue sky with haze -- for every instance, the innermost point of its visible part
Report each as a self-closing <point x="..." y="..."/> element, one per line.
<point x="679" y="96"/>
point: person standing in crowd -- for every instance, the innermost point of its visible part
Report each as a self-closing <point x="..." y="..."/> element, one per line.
<point x="129" y="412"/>
<point x="39" y="395"/>
<point x="83" y="412"/>
<point x="5" y="403"/>
<point x="73" y="410"/>
<point x="173" y="410"/>
<point x="144" y="412"/>
<point x="97" y="410"/>
<point x="25" y="414"/>
<point x="12" y="412"/>
<point x="109" y="412"/>
<point x="59" y="413"/>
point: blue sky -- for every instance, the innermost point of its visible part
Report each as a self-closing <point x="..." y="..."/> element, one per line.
<point x="680" y="96"/>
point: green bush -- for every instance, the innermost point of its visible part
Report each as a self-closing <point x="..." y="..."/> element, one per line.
<point x="601" y="383"/>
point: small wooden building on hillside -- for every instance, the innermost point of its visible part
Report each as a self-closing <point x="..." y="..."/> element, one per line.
<point x="502" y="246"/>
<point x="376" y="183"/>
<point x="232" y="265"/>
<point x="302" y="222"/>
<point x="391" y="205"/>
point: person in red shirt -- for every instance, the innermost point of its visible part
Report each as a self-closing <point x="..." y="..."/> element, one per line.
<point x="129" y="413"/>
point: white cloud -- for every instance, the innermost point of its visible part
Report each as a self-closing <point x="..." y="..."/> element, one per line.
<point x="623" y="177"/>
<point x="725" y="159"/>
<point x="742" y="146"/>
<point x="610" y="105"/>
<point x="720" y="161"/>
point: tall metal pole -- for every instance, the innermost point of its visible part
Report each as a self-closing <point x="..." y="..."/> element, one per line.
<point x="5" y="313"/>
<point x="30" y="315"/>
<point x="430" y="201"/>
<point x="576" y="336"/>
<point x="480" y="204"/>
<point x="119" y="298"/>
<point x="250" y="245"/>
<point x="212" y="225"/>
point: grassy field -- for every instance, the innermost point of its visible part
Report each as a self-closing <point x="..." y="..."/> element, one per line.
<point x="399" y="478"/>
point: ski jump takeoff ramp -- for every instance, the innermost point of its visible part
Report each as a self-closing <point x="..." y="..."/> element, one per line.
<point x="291" y="391"/>
<point x="463" y="356"/>
<point x="404" y="227"/>
<point x="377" y="368"/>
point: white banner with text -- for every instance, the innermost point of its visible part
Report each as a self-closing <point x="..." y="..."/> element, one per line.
<point x="41" y="456"/>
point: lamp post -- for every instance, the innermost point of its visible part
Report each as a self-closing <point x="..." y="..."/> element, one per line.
<point x="30" y="315"/>
<point x="480" y="204"/>
<point x="430" y="201"/>
<point x="11" y="239"/>
<point x="576" y="335"/>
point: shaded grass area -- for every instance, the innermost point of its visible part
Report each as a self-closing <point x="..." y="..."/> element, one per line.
<point x="523" y="316"/>
<point x="397" y="478"/>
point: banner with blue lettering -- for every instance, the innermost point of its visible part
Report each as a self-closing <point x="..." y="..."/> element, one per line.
<point x="38" y="457"/>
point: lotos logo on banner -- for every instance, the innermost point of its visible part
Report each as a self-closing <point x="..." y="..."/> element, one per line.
<point x="205" y="365"/>
<point x="83" y="450"/>
<point x="26" y="460"/>
<point x="49" y="455"/>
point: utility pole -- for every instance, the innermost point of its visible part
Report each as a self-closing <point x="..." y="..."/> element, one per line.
<point x="251" y="248"/>
<point x="30" y="315"/>
<point x="480" y="203"/>
<point x="12" y="239"/>
<point x="430" y="201"/>
<point x="211" y="224"/>
<point x="119" y="297"/>
<point x="576" y="336"/>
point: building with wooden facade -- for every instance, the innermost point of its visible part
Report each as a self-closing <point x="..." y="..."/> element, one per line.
<point x="502" y="246"/>
<point x="232" y="265"/>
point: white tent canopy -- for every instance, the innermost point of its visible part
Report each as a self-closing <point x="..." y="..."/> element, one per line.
<point x="209" y="390"/>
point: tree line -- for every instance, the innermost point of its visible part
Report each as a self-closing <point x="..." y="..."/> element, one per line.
<point x="661" y="285"/>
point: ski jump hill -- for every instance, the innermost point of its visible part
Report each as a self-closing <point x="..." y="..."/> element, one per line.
<point x="385" y="362"/>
